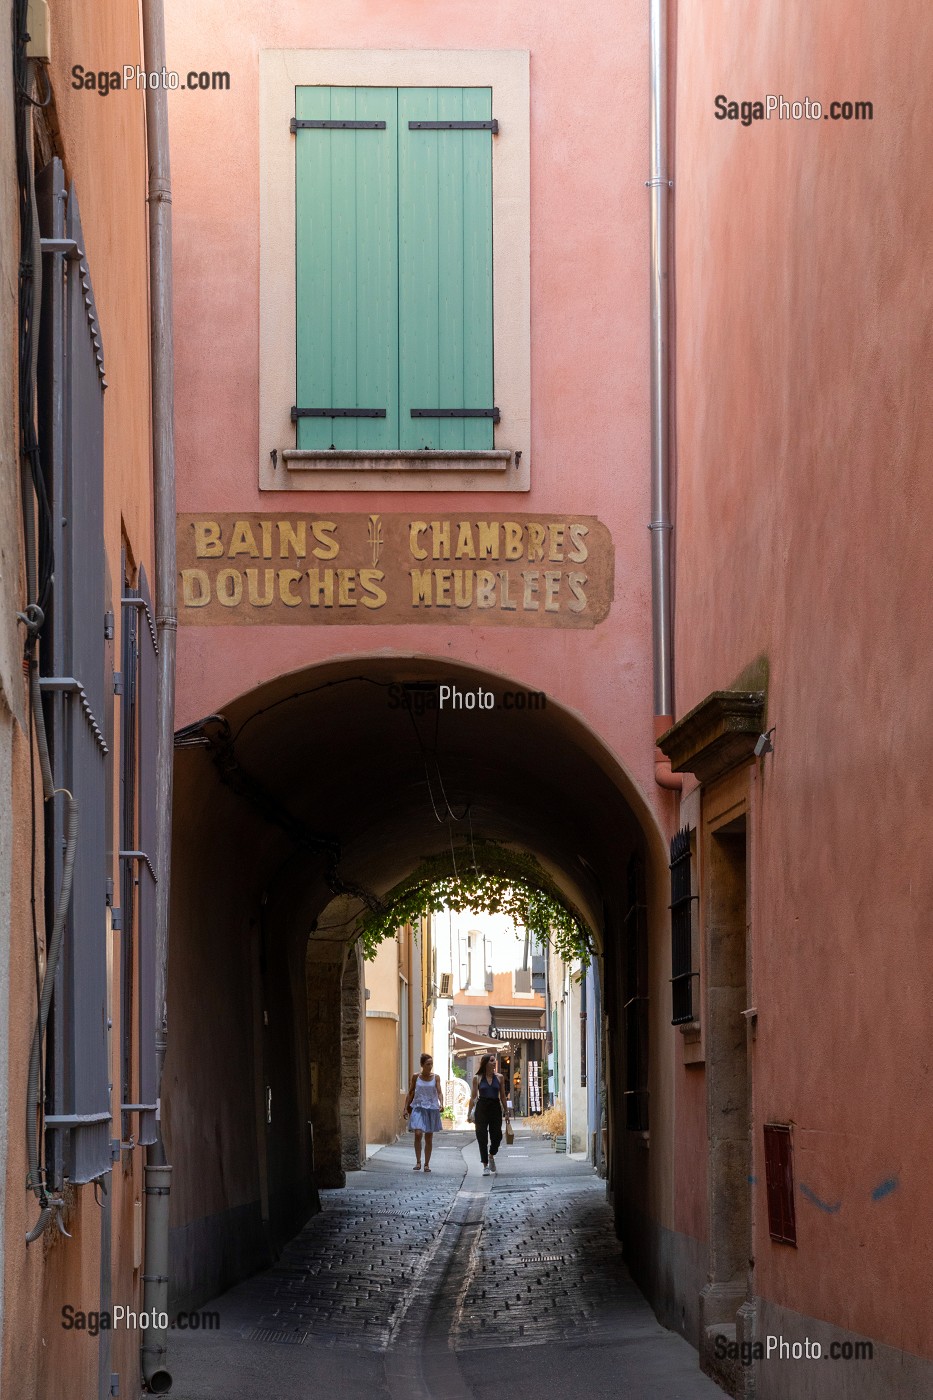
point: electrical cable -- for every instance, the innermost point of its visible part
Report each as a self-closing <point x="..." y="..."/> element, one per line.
<point x="311" y="690"/>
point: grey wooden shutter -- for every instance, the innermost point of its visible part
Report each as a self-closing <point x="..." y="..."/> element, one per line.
<point x="77" y="683"/>
<point x="129" y="762"/>
<point x="148" y="744"/>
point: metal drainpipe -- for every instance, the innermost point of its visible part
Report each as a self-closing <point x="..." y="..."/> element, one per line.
<point x="660" y="186"/>
<point x="161" y="351"/>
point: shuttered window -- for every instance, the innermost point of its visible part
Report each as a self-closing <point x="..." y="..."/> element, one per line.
<point x="77" y="682"/>
<point x="394" y="269"/>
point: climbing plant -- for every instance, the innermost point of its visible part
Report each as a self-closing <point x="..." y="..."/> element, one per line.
<point x="485" y="878"/>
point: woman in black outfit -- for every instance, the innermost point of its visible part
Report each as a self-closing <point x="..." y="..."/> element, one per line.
<point x="488" y="1099"/>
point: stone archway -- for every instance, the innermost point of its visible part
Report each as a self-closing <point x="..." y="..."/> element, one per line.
<point x="300" y="805"/>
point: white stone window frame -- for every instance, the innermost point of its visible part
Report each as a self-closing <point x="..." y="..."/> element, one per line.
<point x="508" y="466"/>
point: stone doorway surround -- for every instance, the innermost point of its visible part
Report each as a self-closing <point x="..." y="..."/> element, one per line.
<point x="715" y="742"/>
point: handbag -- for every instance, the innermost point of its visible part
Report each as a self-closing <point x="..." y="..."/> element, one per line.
<point x="509" y="1132"/>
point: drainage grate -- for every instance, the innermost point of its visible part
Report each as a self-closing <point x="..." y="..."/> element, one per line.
<point x="269" y="1334"/>
<point x="540" y="1259"/>
<point x="501" y="1186"/>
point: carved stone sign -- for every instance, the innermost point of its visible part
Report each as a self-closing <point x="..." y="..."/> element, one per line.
<point x="527" y="570"/>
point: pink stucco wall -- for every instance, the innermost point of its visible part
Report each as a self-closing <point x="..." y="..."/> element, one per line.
<point x="805" y="508"/>
<point x="589" y="335"/>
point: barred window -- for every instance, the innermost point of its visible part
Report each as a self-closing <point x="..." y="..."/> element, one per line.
<point x="682" y="902"/>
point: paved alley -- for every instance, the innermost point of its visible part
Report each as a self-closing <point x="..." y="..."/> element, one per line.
<point x="445" y="1287"/>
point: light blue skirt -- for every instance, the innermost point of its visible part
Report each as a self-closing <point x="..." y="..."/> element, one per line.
<point x="425" y="1120"/>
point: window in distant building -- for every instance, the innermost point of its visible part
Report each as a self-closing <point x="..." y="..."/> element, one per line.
<point x="404" y="1053"/>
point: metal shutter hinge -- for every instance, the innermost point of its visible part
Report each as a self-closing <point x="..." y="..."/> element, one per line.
<point x="337" y="413"/>
<point x="118" y="682"/>
<point x="108" y="627"/>
<point x="492" y="126"/>
<point x="492" y="413"/>
<point x="303" y="124"/>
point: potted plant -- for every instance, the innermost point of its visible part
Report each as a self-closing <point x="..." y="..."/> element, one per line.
<point x="447" y="1117"/>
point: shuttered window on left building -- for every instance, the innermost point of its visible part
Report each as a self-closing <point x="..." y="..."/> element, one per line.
<point x="77" y="683"/>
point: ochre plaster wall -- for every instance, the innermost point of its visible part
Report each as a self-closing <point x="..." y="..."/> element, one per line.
<point x="384" y="1100"/>
<point x="103" y="146"/>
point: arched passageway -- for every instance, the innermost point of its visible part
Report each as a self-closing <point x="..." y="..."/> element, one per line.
<point x="308" y="800"/>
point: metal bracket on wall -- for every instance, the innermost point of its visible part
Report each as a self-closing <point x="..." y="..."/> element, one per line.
<point x="68" y="246"/>
<point x="68" y="685"/>
<point x="140" y="855"/>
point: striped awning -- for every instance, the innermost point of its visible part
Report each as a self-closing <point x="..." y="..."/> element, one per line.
<point x="518" y="1033"/>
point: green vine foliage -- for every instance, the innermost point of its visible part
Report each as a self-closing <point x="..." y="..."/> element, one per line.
<point x="489" y="879"/>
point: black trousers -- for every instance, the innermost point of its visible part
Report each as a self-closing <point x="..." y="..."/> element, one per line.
<point x="487" y="1118"/>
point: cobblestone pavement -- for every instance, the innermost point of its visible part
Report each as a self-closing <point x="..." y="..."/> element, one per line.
<point x="437" y="1287"/>
<point x="547" y="1266"/>
<point x="346" y="1279"/>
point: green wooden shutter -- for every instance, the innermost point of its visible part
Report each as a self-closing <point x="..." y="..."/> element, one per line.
<point x="445" y="268"/>
<point x="346" y="225"/>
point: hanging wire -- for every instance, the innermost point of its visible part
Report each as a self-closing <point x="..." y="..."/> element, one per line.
<point x="427" y="755"/>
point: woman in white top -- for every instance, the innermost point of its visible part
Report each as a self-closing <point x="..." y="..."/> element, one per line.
<point x="424" y="1103"/>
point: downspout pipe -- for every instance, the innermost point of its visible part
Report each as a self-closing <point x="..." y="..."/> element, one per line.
<point x="156" y="1376"/>
<point x="660" y="185"/>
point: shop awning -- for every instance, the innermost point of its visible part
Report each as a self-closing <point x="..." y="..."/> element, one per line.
<point x="518" y="1033"/>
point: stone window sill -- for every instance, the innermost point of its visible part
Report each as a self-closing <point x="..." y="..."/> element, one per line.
<point x="500" y="469"/>
<point x="302" y="460"/>
<point x="692" y="1042"/>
